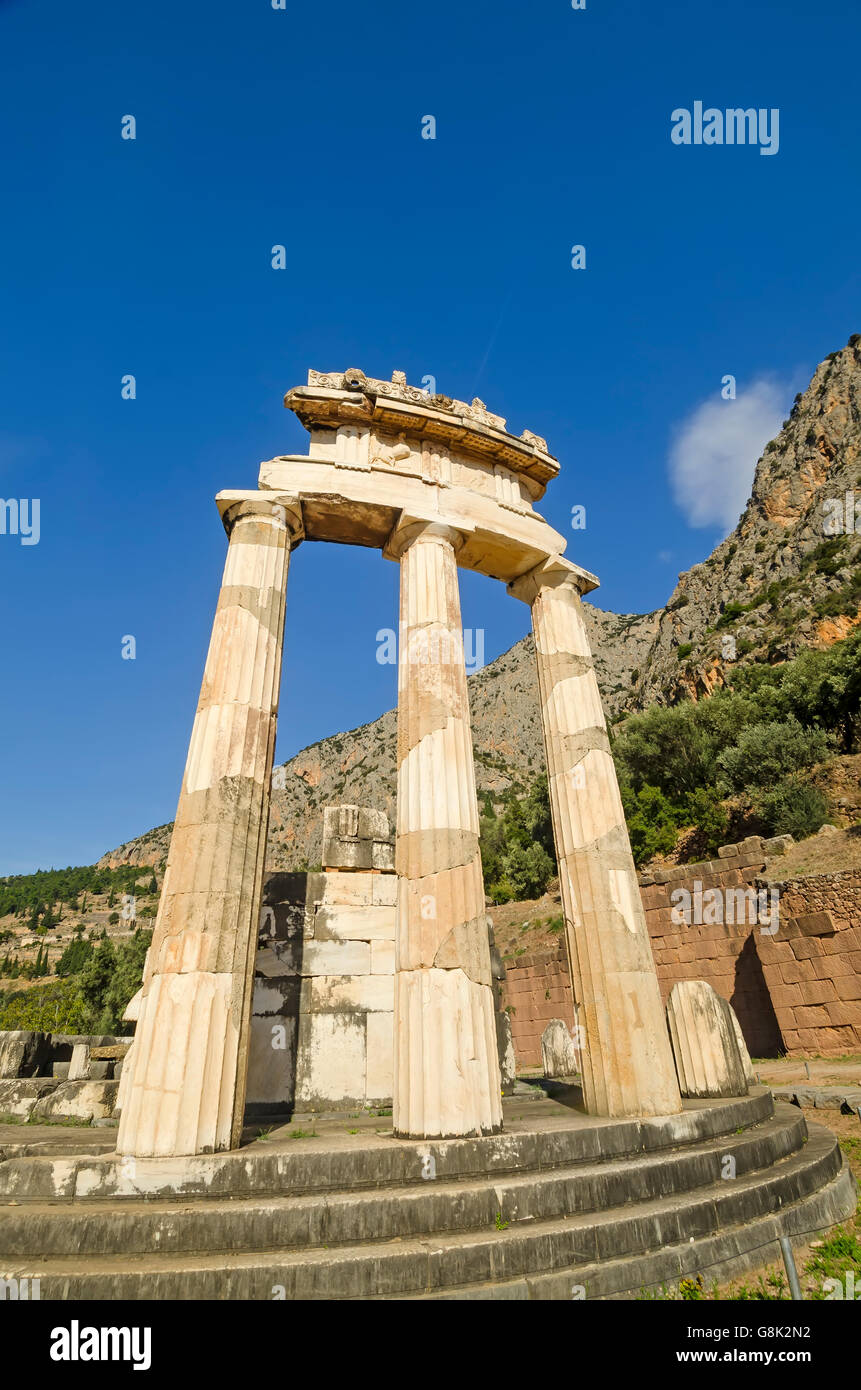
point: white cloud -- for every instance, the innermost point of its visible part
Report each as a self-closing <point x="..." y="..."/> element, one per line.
<point x="714" y="452"/>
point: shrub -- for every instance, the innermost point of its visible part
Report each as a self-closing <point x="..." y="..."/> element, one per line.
<point x="109" y="979"/>
<point x="767" y="752"/>
<point x="793" y="807"/>
<point x="675" y="748"/>
<point x="731" y="612"/>
<point x="526" y="873"/>
<point x="710" y="818"/>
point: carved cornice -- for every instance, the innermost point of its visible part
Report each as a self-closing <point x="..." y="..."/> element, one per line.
<point x="331" y="399"/>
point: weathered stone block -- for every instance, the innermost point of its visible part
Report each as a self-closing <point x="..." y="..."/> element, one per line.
<point x="331" y="1060"/>
<point x="778" y="844"/>
<point x="336" y="886"/>
<point x="79" y="1067"/>
<point x="380" y="1058"/>
<point x="815" y="924"/>
<point x="353" y="923"/>
<point x="382" y="957"/>
<point x="24" y="1053"/>
<point x="505" y="1053"/>
<point x="356" y="837"/>
<point x="384" y="890"/>
<point x="372" y="993"/>
<point x="337" y="958"/>
<point x="558" y="1053"/>
<point x="705" y="1038"/>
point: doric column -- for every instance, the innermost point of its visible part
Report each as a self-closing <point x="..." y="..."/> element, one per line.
<point x="446" y="1072"/>
<point x="187" y="1091"/>
<point x="627" y="1064"/>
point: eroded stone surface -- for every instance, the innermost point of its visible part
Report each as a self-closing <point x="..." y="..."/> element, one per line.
<point x="446" y="1069"/>
<point x="707" y="1043"/>
<point x="184" y="1083"/>
<point x="626" y="1061"/>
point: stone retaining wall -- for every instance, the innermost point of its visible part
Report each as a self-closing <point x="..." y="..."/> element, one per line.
<point x="536" y="988"/>
<point x="723" y="953"/>
<point x="812" y="965"/>
<point x="793" y="979"/>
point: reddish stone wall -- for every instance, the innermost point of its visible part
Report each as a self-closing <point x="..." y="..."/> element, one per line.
<point x="536" y="989"/>
<point x="725" y="954"/>
<point x="796" y="991"/>
<point x="812" y="965"/>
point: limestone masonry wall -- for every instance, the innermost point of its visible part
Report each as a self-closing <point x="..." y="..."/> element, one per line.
<point x="796" y="989"/>
<point x="812" y="965"/>
<point x="535" y="989"/>
<point x="723" y="953"/>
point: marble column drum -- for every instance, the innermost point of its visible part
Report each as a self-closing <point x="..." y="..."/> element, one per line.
<point x="446" y="1071"/>
<point x="187" y="1091"/>
<point x="627" y="1062"/>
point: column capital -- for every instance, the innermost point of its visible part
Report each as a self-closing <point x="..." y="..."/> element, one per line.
<point x="554" y="572"/>
<point x="283" y="510"/>
<point x="409" y="528"/>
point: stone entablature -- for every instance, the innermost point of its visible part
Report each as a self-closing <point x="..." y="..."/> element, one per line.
<point x="384" y="411"/>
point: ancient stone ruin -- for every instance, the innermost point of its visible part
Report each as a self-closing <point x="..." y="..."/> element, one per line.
<point x="435" y="484"/>
<point x="375" y="980"/>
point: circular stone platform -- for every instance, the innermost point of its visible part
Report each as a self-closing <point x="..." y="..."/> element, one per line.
<point x="339" y="1208"/>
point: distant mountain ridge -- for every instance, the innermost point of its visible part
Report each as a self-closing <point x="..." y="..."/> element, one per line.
<point x="777" y="583"/>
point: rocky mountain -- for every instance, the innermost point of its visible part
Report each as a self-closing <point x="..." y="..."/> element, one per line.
<point x="785" y="578"/>
<point x="788" y="576"/>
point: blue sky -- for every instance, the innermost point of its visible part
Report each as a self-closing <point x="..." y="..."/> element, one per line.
<point x="449" y="257"/>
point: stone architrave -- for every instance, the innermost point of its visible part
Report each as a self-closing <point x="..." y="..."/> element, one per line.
<point x="705" y="1043"/>
<point x="626" y="1061"/>
<point x="185" y="1090"/>
<point x="446" y="1074"/>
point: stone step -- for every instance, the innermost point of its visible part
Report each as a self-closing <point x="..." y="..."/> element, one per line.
<point x="726" y="1255"/>
<point x="31" y="1140"/>
<point x="468" y="1259"/>
<point x="546" y="1136"/>
<point x="425" y="1208"/>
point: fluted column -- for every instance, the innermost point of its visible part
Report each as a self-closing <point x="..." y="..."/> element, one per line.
<point x="627" y="1063"/>
<point x="446" y="1072"/>
<point x="187" y="1090"/>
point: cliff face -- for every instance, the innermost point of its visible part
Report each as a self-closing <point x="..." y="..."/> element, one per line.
<point x="773" y="585"/>
<point x="778" y="583"/>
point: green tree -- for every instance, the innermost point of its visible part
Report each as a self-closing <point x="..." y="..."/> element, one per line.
<point x="109" y="979"/>
<point x="652" y="822"/>
<point x="55" y="1008"/>
<point x="74" y="958"/>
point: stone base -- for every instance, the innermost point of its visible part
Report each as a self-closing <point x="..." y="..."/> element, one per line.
<point x="559" y="1200"/>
